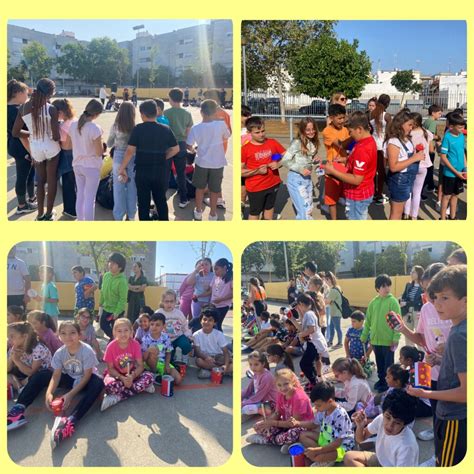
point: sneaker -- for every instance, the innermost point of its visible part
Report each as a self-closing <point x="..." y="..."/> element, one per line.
<point x="197" y="215"/>
<point x="212" y="218"/>
<point x="185" y="359"/>
<point x="47" y="217"/>
<point x="284" y="449"/>
<point x="424" y="197"/>
<point x="183" y="204"/>
<point x="16" y="417"/>
<point x="150" y="389"/>
<point x="157" y="380"/>
<point x="204" y="374"/>
<point x="26" y="209"/>
<point x="325" y="208"/>
<point x="32" y="200"/>
<point x="381" y="201"/>
<point x="323" y="464"/>
<point x="109" y="401"/>
<point x="178" y="355"/>
<point x="71" y="216"/>
<point x="63" y="428"/>
<point x="326" y="369"/>
<point x="256" y="439"/>
<point x="337" y="346"/>
<point x="426" y="435"/>
<point x="431" y="462"/>
<point x="220" y="203"/>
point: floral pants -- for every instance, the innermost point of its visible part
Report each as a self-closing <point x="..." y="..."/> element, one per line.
<point x="116" y="387"/>
<point x="280" y="436"/>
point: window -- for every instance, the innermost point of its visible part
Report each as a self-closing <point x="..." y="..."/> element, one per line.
<point x="181" y="42"/>
<point x="229" y="35"/>
<point x="188" y="41"/>
<point x="25" y="41"/>
<point x="142" y="48"/>
<point x="180" y="55"/>
<point x="17" y="40"/>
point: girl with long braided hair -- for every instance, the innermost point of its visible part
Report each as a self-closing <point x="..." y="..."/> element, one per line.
<point x="41" y="119"/>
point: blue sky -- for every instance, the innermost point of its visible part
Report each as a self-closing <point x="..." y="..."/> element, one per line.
<point x="437" y="45"/>
<point x="180" y="257"/>
<point x="120" y="30"/>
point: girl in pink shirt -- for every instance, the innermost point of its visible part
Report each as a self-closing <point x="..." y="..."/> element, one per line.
<point x="125" y="375"/>
<point x="45" y="328"/>
<point x="221" y="289"/>
<point x="292" y="404"/>
<point x="261" y="393"/>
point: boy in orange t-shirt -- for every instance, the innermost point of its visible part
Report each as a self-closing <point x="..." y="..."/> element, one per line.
<point x="336" y="138"/>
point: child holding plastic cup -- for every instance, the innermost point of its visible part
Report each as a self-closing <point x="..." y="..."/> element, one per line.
<point x="292" y="404"/>
<point x="261" y="392"/>
<point x="74" y="365"/>
<point x="336" y="435"/>
<point x="157" y="348"/>
<point x="125" y="375"/>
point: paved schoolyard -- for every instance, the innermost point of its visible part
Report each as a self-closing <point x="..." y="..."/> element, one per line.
<point x="284" y="208"/>
<point x="106" y="120"/>
<point x="270" y="456"/>
<point x="193" y="428"/>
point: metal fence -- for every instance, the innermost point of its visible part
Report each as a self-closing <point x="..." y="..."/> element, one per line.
<point x="266" y="103"/>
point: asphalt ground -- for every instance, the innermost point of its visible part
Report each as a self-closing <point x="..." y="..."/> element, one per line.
<point x="192" y="428"/>
<point x="270" y="456"/>
<point x="106" y="120"/>
<point x="284" y="209"/>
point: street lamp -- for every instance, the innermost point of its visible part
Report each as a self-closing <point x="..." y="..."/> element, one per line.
<point x="137" y="29"/>
<point x="161" y="267"/>
<point x="244" y="66"/>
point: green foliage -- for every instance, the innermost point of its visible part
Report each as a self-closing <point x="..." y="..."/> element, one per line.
<point x="19" y="72"/>
<point x="270" y="44"/>
<point x="450" y="248"/>
<point x="364" y="265"/>
<point x="189" y="78"/>
<point x="392" y="261"/>
<point x="252" y="258"/>
<point x="422" y="258"/>
<point x="37" y="61"/>
<point x="100" y="251"/>
<point x="327" y="65"/>
<point x="404" y="81"/>
<point x="73" y="60"/>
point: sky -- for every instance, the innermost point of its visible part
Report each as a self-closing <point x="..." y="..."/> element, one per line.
<point x="120" y="30"/>
<point x="180" y="257"/>
<point x="439" y="46"/>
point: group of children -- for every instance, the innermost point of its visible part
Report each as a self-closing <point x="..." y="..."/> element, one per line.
<point x="49" y="142"/>
<point x="334" y="414"/>
<point x="42" y="354"/>
<point x="364" y="151"/>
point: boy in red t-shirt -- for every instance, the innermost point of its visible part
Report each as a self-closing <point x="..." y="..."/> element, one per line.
<point x="361" y="166"/>
<point x="259" y="159"/>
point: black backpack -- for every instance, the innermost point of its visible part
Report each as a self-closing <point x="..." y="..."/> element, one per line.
<point x="346" y="309"/>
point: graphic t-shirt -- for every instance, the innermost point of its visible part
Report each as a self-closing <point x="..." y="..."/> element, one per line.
<point x="297" y="406"/>
<point x="163" y="344"/>
<point x="123" y="359"/>
<point x="362" y="162"/>
<point x="253" y="156"/>
<point x="356" y="346"/>
<point x="336" y="425"/>
<point x="176" y="323"/>
<point x="74" y="365"/>
<point x="39" y="352"/>
<point x="80" y="287"/>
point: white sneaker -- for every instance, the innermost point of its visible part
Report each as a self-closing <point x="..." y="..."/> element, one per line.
<point x="326" y="369"/>
<point x="109" y="401"/>
<point x="426" y="435"/>
<point x="431" y="462"/>
<point x="256" y="439"/>
<point x="212" y="218"/>
<point x="220" y="203"/>
<point x="204" y="374"/>
<point x="183" y="204"/>
<point x="197" y="215"/>
<point x="207" y="201"/>
<point x="178" y="355"/>
<point x="150" y="389"/>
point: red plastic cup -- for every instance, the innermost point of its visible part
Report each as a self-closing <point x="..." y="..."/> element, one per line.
<point x="181" y="369"/>
<point x="393" y="320"/>
<point x="217" y="375"/>
<point x="57" y="406"/>
<point x="297" y="458"/>
<point x="420" y="147"/>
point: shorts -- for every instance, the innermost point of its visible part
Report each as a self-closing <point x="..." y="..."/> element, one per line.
<point x="370" y="459"/>
<point x="452" y="185"/>
<point x="160" y="368"/>
<point x="44" y="150"/>
<point x="260" y="201"/>
<point x="400" y="186"/>
<point x="333" y="190"/>
<point x="242" y="181"/>
<point x="210" y="177"/>
<point x="450" y="441"/>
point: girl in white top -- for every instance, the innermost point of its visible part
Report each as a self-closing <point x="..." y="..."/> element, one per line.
<point x="402" y="161"/>
<point x="422" y="138"/>
<point x="356" y="389"/>
<point x="87" y="149"/>
<point x="41" y="119"/>
<point x="379" y="119"/>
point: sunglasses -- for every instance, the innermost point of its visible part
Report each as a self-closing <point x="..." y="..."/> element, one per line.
<point x="343" y="99"/>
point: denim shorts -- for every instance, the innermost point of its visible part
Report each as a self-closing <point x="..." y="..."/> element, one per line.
<point x="400" y="185"/>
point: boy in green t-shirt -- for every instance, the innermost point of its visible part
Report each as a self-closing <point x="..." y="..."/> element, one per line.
<point x="180" y="122"/>
<point x="383" y="338"/>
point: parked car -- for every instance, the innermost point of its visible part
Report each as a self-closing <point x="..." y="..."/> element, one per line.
<point x="268" y="106"/>
<point x="356" y="106"/>
<point x="317" y="107"/>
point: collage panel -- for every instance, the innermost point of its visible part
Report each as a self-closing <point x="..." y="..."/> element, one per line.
<point x="119" y="354"/>
<point x="354" y="120"/>
<point x="120" y="120"/>
<point x="354" y="354"/>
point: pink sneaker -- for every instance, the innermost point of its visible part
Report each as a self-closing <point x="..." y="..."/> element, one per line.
<point x="16" y="417"/>
<point x="63" y="428"/>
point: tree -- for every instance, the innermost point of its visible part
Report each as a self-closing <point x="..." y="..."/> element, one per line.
<point x="270" y="45"/>
<point x="391" y="261"/>
<point x="252" y="258"/>
<point x="189" y="78"/>
<point x="404" y="81"/>
<point x="364" y="265"/>
<point x="73" y="61"/>
<point x="449" y="249"/>
<point x="422" y="258"/>
<point x="327" y="65"/>
<point x="100" y="251"/>
<point x="222" y="76"/>
<point x="403" y="246"/>
<point x="18" y="72"/>
<point x="37" y="61"/>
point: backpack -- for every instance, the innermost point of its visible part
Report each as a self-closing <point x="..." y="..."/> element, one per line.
<point x="346" y="309"/>
<point x="105" y="193"/>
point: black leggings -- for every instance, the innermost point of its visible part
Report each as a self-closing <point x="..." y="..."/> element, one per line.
<point x="107" y="323"/>
<point x="221" y="312"/>
<point x="69" y="192"/>
<point x="152" y="182"/>
<point x="259" y="306"/>
<point x="36" y="383"/>
<point x="24" y="184"/>
<point x="310" y="355"/>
